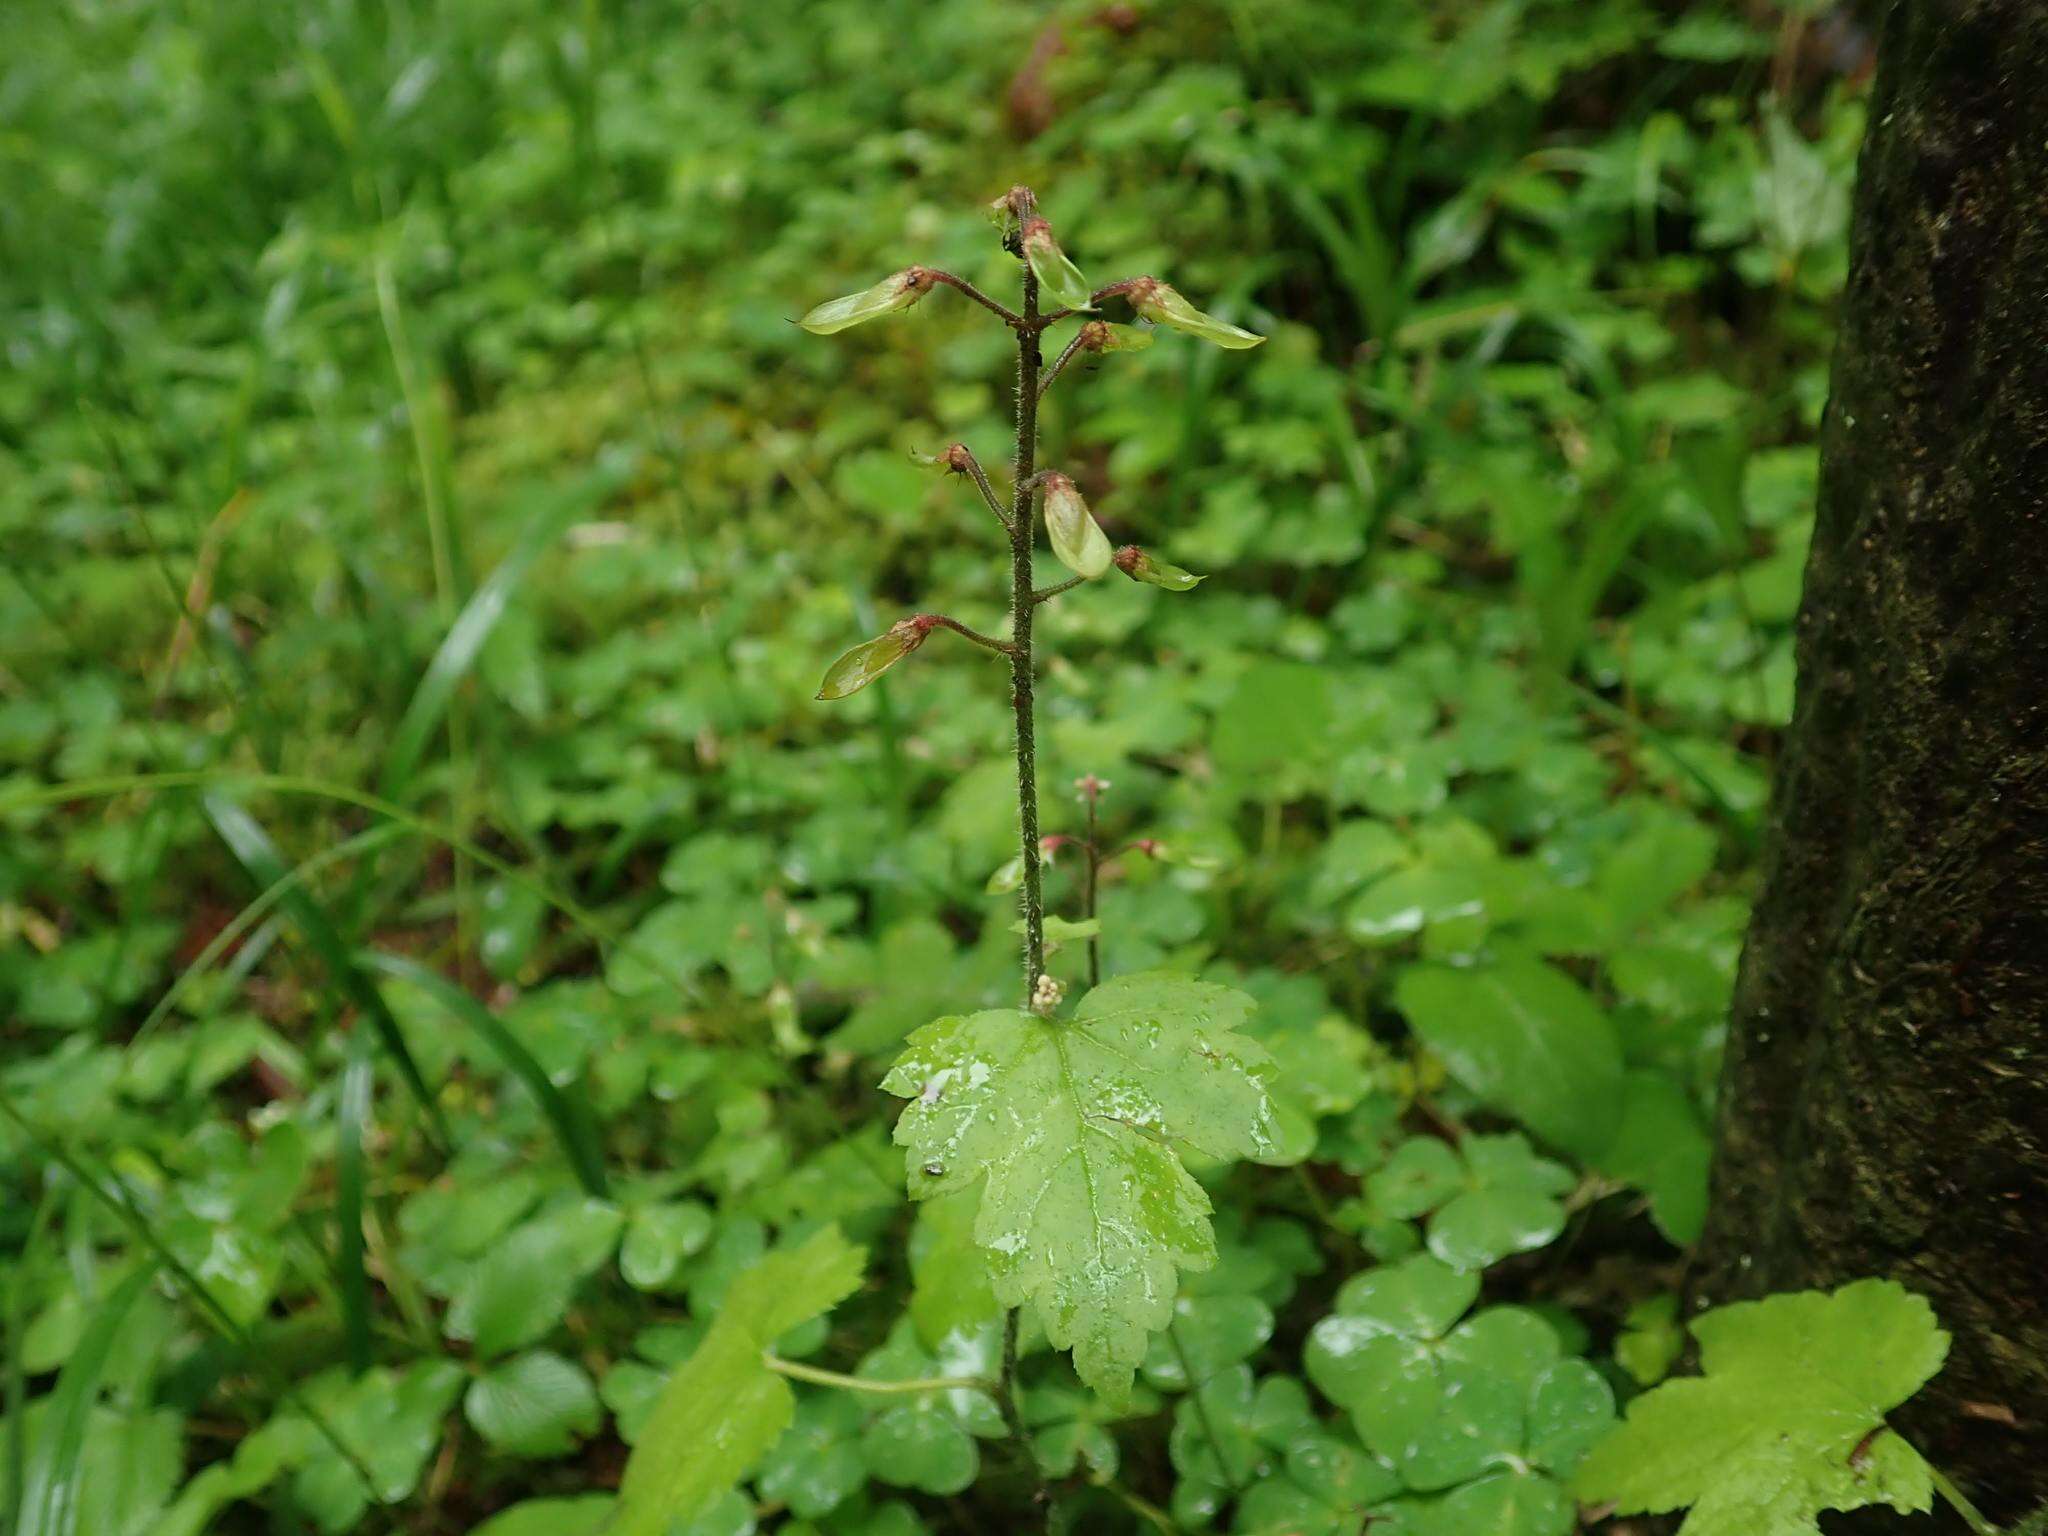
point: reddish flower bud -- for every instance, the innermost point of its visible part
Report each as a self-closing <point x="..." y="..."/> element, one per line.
<point x="1101" y="336"/>
<point x="1140" y="566"/>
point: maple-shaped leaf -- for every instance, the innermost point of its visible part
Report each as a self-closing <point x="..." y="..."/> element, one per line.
<point x="1073" y="1130"/>
<point x="724" y="1408"/>
<point x="1788" y="1419"/>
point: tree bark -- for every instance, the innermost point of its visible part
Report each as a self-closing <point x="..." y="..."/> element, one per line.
<point x="1884" y="1103"/>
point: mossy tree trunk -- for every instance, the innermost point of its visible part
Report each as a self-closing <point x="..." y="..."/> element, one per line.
<point x="1884" y="1106"/>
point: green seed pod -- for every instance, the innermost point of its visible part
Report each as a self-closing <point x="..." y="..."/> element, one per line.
<point x="1158" y="302"/>
<point x="1059" y="277"/>
<point x="1140" y="566"/>
<point x="1007" y="877"/>
<point x="1101" y="336"/>
<point x="899" y="290"/>
<point x="1076" y="537"/>
<point x="871" y="658"/>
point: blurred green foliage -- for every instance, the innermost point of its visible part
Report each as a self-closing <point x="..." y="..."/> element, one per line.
<point x="404" y="440"/>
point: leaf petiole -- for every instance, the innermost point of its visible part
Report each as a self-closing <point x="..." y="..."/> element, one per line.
<point x="824" y="1378"/>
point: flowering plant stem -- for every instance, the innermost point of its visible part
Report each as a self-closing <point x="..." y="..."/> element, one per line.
<point x="1022" y="605"/>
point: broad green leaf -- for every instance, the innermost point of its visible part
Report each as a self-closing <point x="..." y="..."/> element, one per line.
<point x="55" y="1491"/>
<point x="897" y="291"/>
<point x="534" y="1405"/>
<point x="1662" y="1147"/>
<point x="1071" y="1130"/>
<point x="949" y="1273"/>
<point x="1526" y="1038"/>
<point x="1787" y="1419"/>
<point x="1077" y="538"/>
<point x="577" y="1515"/>
<point x="724" y="1408"/>
<point x="1163" y="304"/>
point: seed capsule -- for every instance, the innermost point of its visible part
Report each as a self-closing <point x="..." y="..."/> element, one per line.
<point x="871" y="658"/>
<point x="1141" y="566"/>
<point x="1161" y="303"/>
<point x="1059" y="277"/>
<point x="897" y="291"/>
<point x="1077" y="538"/>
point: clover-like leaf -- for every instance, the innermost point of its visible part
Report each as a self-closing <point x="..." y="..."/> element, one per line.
<point x="1787" y="1419"/>
<point x="1056" y="273"/>
<point x="817" y="1465"/>
<point x="1162" y="303"/>
<point x="1492" y="1196"/>
<point x="1445" y="1404"/>
<point x="1077" y="538"/>
<point x="1072" y="1130"/>
<point x="899" y="290"/>
<point x="925" y="1440"/>
<point x="724" y="1407"/>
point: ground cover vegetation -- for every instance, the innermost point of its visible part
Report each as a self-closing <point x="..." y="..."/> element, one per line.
<point x="1206" y="1017"/>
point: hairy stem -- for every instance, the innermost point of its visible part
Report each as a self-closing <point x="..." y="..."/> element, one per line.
<point x="1059" y="363"/>
<point x="1008" y="316"/>
<point x="1088" y="895"/>
<point x="1032" y="898"/>
<point x="988" y="492"/>
<point x="1046" y="594"/>
<point x="986" y="642"/>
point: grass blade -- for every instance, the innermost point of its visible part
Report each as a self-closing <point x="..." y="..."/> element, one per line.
<point x="568" y="1118"/>
<point x="464" y="642"/>
<point x="258" y="855"/>
<point x="99" y="787"/>
<point x="56" y="1482"/>
<point x="201" y="1296"/>
<point x="351" y="1120"/>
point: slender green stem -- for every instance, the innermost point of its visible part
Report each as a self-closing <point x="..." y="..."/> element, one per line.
<point x="1960" y="1502"/>
<point x="1047" y="594"/>
<point x="986" y="642"/>
<point x="823" y="1378"/>
<point x="1089" y="795"/>
<point x="1059" y="363"/>
<point x="1144" y="1509"/>
<point x="1006" y="1396"/>
<point x="1201" y="1406"/>
<point x="988" y="492"/>
<point x="1008" y="316"/>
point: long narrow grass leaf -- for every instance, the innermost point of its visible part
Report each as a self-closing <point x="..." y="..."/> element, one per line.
<point x="351" y="1123"/>
<point x="464" y="642"/>
<point x="258" y="855"/>
<point x="195" y="1289"/>
<point x="568" y="1118"/>
<point x="105" y="786"/>
<point x="56" y="1483"/>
